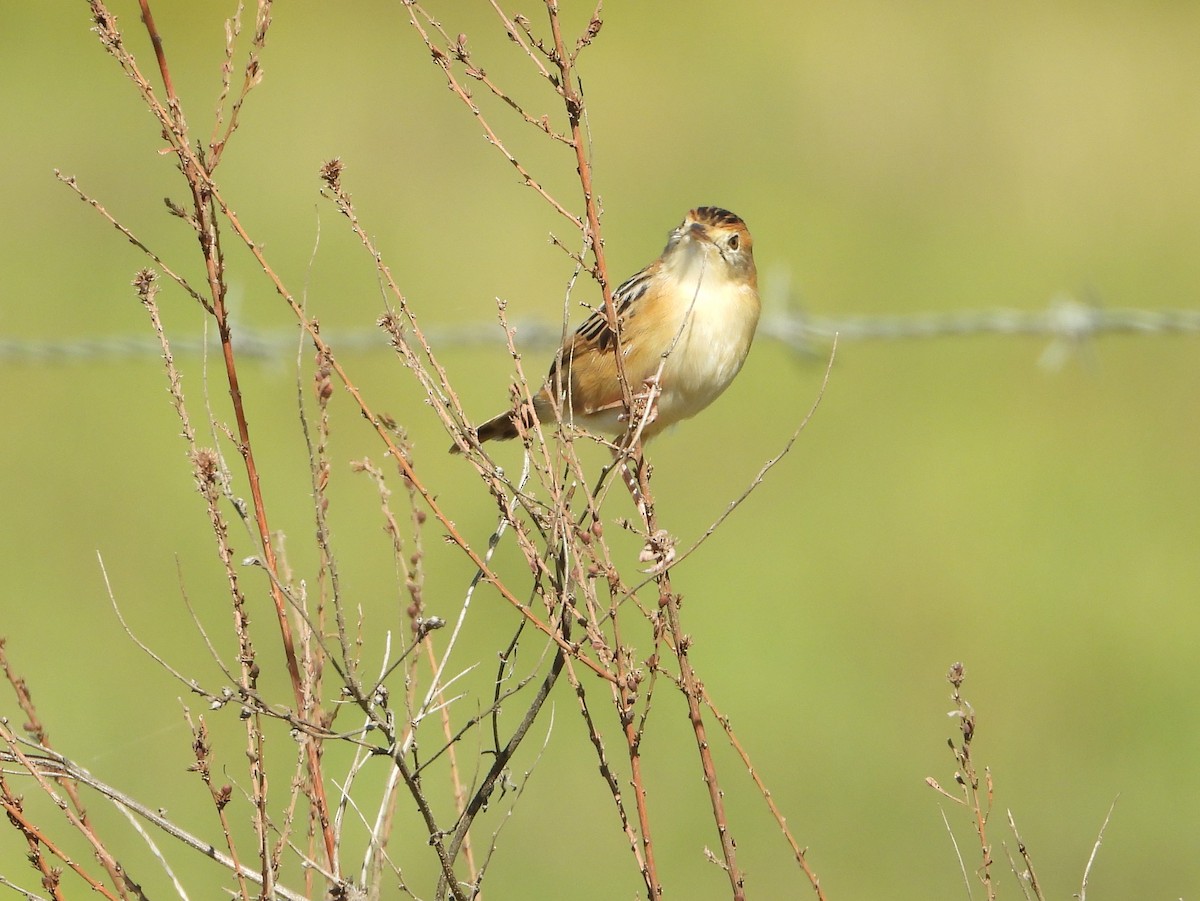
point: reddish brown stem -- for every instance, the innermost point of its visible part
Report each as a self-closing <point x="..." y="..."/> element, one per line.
<point x="693" y="691"/>
<point x="574" y="105"/>
<point x="159" y="53"/>
<point x="199" y="181"/>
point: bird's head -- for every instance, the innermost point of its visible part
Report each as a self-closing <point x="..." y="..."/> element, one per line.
<point x="716" y="236"/>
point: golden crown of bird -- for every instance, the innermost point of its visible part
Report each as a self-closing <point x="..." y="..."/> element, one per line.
<point x="684" y="328"/>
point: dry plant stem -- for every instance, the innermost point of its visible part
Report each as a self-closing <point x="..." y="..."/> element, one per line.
<point x="152" y="845"/>
<point x="1024" y="852"/>
<point x="233" y="29"/>
<point x="979" y="802"/>
<point x="612" y="653"/>
<point x="207" y="479"/>
<point x="343" y="202"/>
<point x="448" y="883"/>
<point x="564" y="84"/>
<point x="156" y="41"/>
<point x="373" y="856"/>
<point x="252" y="75"/>
<point x="797" y="851"/>
<point x="770" y="464"/>
<point x="962" y="864"/>
<point x="625" y="692"/>
<point x="33" y="726"/>
<point x="1087" y="870"/>
<point x="1022" y="879"/>
<point x="51" y="877"/>
<point x="328" y="579"/>
<point x="693" y="692"/>
<point x="314" y="653"/>
<point x="12" y="804"/>
<point x="443" y="60"/>
<point x="207" y="201"/>
<point x="614" y="787"/>
<point x="220" y="795"/>
<point x="193" y="167"/>
<point x="624" y="689"/>
<point x="575" y="113"/>
<point x="207" y="204"/>
<point x="29" y="895"/>
<point x="201" y="187"/>
<point x="410" y="571"/>
<point x="502" y="758"/>
<point x="633" y="740"/>
<point x="13" y="808"/>
<point x="457" y="786"/>
<point x="298" y="790"/>
<point x="50" y="764"/>
<point x="314" y="650"/>
<point x="70" y="182"/>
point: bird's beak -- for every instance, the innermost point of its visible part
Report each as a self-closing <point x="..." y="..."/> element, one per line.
<point x="696" y="238"/>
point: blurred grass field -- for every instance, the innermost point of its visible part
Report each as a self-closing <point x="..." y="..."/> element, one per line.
<point x="951" y="500"/>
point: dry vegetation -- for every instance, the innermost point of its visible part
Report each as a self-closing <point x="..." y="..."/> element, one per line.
<point x="613" y="632"/>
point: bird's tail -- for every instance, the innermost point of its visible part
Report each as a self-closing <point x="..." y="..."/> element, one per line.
<point x="498" y="428"/>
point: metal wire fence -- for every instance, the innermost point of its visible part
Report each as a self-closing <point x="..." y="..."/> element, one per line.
<point x="1066" y="321"/>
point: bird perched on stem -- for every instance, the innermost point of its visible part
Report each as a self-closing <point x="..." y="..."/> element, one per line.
<point x="684" y="327"/>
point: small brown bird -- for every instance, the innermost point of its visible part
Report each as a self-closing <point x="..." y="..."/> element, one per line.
<point x="685" y="323"/>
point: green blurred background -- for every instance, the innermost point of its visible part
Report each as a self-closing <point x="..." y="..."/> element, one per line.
<point x="951" y="500"/>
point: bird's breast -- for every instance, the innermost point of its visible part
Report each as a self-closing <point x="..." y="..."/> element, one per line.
<point x="709" y="339"/>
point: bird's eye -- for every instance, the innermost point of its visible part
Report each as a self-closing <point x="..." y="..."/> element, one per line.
<point x="733" y="242"/>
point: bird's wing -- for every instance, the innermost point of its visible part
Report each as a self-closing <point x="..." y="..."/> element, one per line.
<point x="586" y="366"/>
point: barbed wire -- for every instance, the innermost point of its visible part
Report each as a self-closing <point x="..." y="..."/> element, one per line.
<point x="1068" y="321"/>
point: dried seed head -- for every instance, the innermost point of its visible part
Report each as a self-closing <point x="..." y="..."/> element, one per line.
<point x="331" y="173"/>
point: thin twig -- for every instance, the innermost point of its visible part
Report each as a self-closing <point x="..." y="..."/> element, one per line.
<point x="798" y="852"/>
<point x="769" y="465"/>
<point x="1087" y="871"/>
<point x="1029" y="875"/>
<point x="50" y="764"/>
<point x="962" y="864"/>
